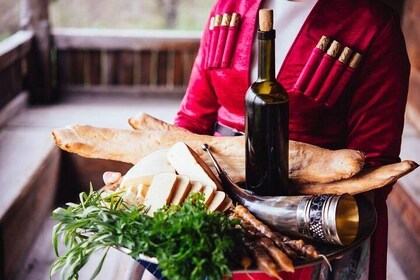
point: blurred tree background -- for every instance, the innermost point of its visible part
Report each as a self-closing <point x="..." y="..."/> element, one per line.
<point x="9" y="18"/>
<point x="129" y="14"/>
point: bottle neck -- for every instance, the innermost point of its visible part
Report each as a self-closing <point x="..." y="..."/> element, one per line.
<point x="266" y="56"/>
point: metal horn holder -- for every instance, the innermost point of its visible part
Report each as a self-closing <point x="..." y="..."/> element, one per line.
<point x="329" y="218"/>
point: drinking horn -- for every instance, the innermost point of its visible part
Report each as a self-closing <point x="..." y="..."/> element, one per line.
<point x="327" y="218"/>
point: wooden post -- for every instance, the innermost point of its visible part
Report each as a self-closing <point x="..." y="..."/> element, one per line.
<point x="34" y="17"/>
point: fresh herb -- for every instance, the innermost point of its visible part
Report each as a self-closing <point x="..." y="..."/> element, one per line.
<point x="188" y="241"/>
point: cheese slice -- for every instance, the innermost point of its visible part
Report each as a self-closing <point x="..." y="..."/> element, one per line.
<point x="134" y="195"/>
<point x="144" y="171"/>
<point x="225" y="205"/>
<point x="195" y="187"/>
<point x="187" y="162"/>
<point x="208" y="194"/>
<point x="130" y="195"/>
<point x="217" y="200"/>
<point x="160" y="191"/>
<point x="142" y="190"/>
<point x="182" y="188"/>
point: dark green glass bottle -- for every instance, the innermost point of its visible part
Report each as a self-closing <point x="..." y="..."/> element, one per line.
<point x="267" y="121"/>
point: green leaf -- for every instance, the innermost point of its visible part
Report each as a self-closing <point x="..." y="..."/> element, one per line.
<point x="55" y="231"/>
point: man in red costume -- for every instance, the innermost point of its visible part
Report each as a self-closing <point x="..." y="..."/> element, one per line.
<point x="367" y="116"/>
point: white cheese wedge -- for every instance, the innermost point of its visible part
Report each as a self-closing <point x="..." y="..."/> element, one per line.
<point x="217" y="200"/>
<point x="142" y="190"/>
<point x="140" y="194"/>
<point x="144" y="171"/>
<point x="225" y="205"/>
<point x="182" y="187"/>
<point x="208" y="194"/>
<point x="187" y="162"/>
<point x="195" y="187"/>
<point x="130" y="195"/>
<point x="160" y="191"/>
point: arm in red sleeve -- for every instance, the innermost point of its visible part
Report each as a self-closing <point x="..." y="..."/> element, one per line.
<point x="198" y="111"/>
<point x="376" y="119"/>
<point x="376" y="115"/>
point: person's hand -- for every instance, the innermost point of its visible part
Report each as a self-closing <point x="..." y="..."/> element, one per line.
<point x="111" y="177"/>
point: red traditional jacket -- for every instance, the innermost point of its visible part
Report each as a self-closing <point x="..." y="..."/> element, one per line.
<point x="369" y="112"/>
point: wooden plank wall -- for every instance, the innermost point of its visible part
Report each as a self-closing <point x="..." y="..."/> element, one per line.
<point x="124" y="61"/>
<point x="14" y="54"/>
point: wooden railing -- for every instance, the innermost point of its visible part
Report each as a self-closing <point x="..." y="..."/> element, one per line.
<point x="100" y="61"/>
<point x="123" y="61"/>
<point x="14" y="62"/>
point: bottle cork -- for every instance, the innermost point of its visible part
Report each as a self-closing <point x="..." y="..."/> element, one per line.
<point x="211" y="26"/>
<point x="225" y="19"/>
<point x="234" y="21"/>
<point x="355" y="60"/>
<point x="218" y="20"/>
<point x="345" y="55"/>
<point x="323" y="43"/>
<point x="266" y="20"/>
<point x="334" y="48"/>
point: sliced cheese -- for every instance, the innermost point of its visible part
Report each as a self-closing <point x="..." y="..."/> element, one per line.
<point x="144" y="171"/>
<point x="160" y="191"/>
<point x="143" y="190"/>
<point x="141" y="194"/>
<point x="195" y="187"/>
<point x="187" y="162"/>
<point x="217" y="200"/>
<point x="208" y="194"/>
<point x="133" y="195"/>
<point x="182" y="187"/>
<point x="225" y="205"/>
<point x="129" y="195"/>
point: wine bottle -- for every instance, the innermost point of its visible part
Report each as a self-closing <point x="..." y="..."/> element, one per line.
<point x="267" y="120"/>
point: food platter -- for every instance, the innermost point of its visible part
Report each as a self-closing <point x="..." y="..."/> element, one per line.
<point x="367" y="225"/>
<point x="321" y="203"/>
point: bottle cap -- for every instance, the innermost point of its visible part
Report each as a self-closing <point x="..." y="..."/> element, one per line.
<point x="266" y="19"/>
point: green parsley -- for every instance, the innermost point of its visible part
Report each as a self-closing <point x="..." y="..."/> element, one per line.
<point x="188" y="241"/>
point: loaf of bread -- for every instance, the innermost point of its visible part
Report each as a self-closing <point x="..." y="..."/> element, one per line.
<point x="307" y="163"/>
<point x="366" y="180"/>
<point x="312" y="170"/>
